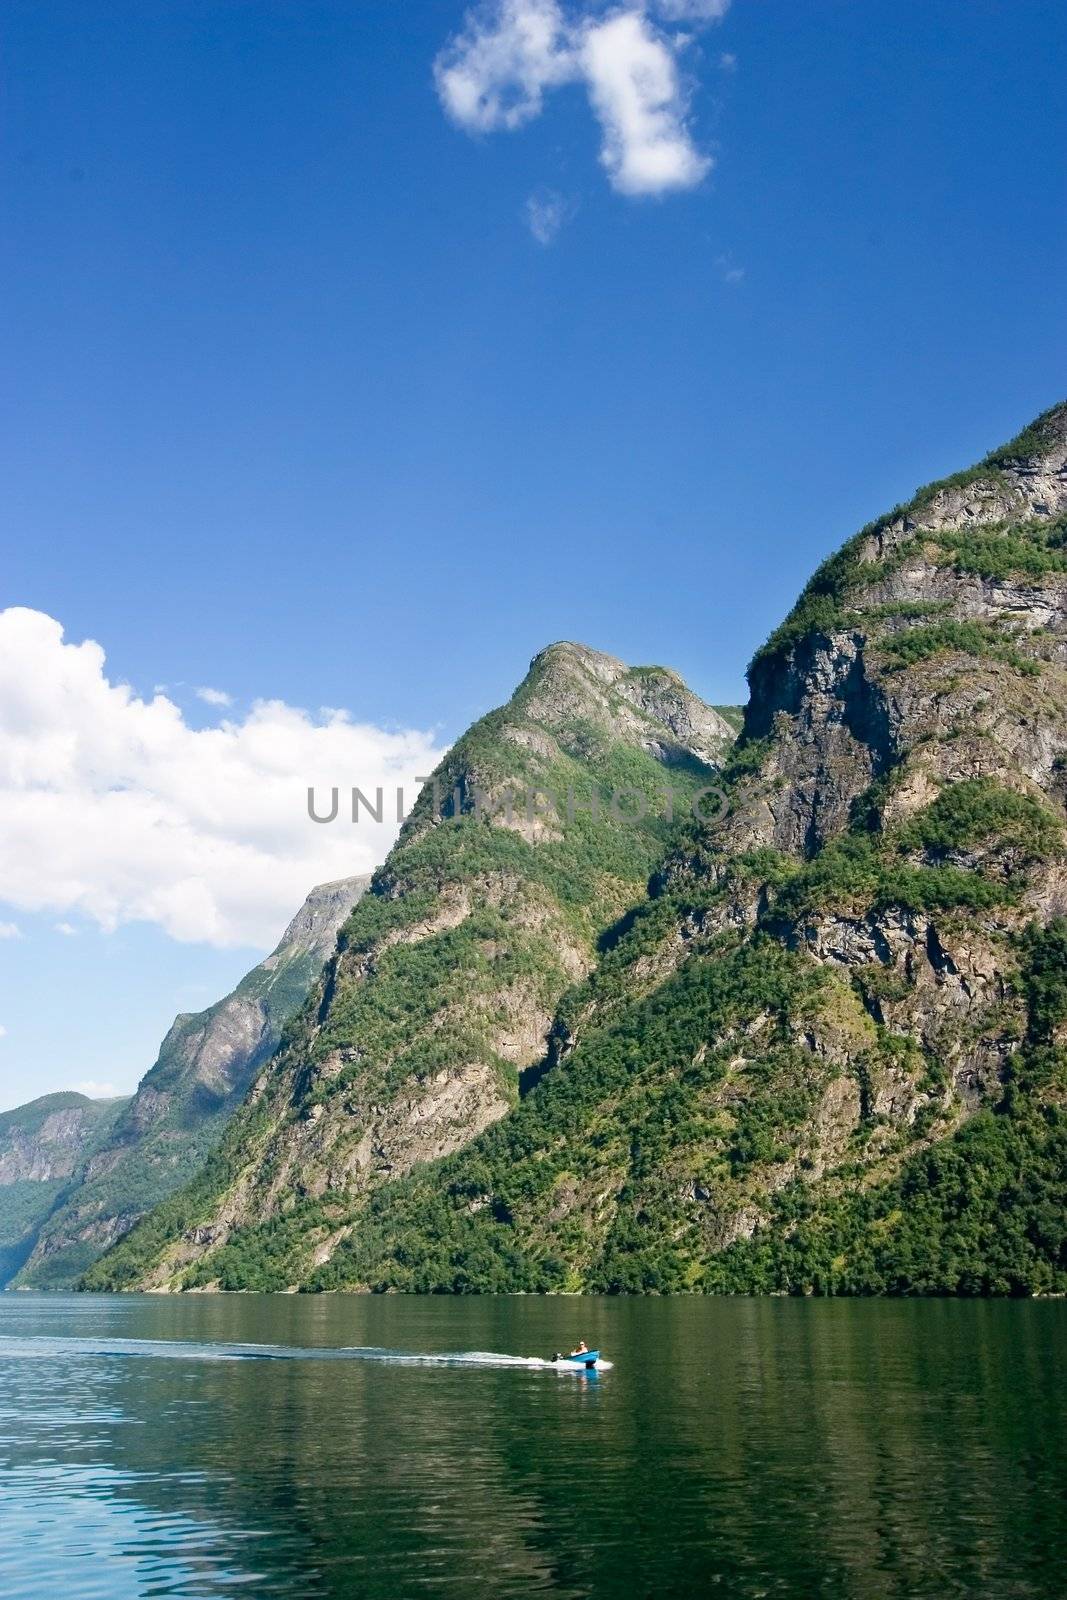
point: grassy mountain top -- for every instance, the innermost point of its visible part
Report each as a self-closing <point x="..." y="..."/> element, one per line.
<point x="1018" y="542"/>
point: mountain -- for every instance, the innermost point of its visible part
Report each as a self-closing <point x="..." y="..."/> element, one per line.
<point x="829" y="1053"/>
<point x="155" y="1141"/>
<point x="438" y="1006"/>
<point x="826" y="1052"/>
<point x="41" y="1145"/>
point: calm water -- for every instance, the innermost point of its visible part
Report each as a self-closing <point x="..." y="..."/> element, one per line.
<point x="745" y="1448"/>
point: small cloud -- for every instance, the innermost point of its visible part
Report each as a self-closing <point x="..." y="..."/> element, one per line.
<point x="727" y="61"/>
<point x="729" y="271"/>
<point x="692" y="10"/>
<point x="636" y="92"/>
<point x="545" y="212"/>
<point x="214" y="697"/>
<point x="67" y="929"/>
<point x="495" y="74"/>
<point x="10" y="930"/>
<point x="3" y="1031"/>
<point x="96" y="1091"/>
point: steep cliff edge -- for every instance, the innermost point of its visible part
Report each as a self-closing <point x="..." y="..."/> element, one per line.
<point x="442" y="992"/>
<point x="160" y="1137"/>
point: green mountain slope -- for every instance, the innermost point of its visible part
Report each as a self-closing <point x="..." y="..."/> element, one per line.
<point x="160" y="1138"/>
<point x="439" y="1003"/>
<point x="41" y="1146"/>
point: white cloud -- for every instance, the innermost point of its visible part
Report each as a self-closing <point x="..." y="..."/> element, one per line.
<point x="728" y="61"/>
<point x="3" y="1031"/>
<point x="636" y="92"/>
<point x="495" y="73"/>
<point x="546" y="212"/>
<point x="113" y="808"/>
<point x="67" y="929"/>
<point x="696" y="11"/>
<point x="96" y="1091"/>
<point x="10" y="930"/>
<point x="214" y="697"/>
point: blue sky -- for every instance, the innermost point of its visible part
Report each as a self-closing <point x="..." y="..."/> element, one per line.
<point x="296" y="406"/>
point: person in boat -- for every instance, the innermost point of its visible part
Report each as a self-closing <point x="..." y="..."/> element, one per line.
<point x="581" y="1349"/>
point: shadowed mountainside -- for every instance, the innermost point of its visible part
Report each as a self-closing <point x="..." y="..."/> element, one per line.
<point x="154" y="1142"/>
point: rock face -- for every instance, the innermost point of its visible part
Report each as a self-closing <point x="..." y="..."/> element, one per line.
<point x="156" y="1140"/>
<point x="41" y="1146"/>
<point x="827" y="1051"/>
<point x="540" y="829"/>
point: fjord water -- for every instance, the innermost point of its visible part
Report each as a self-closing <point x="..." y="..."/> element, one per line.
<point x="744" y="1447"/>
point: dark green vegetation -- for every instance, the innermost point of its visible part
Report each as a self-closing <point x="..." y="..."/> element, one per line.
<point x="918" y="644"/>
<point x="456" y="1228"/>
<point x="823" y="1052"/>
<point x="984" y="825"/>
<point x="1026" y="549"/>
<point x="733" y="715"/>
<point x="980" y="1213"/>
<point x="24" y="1204"/>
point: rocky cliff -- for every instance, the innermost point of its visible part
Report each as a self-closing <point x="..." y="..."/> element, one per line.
<point x="540" y="829"/>
<point x="160" y="1137"/>
<point x="826" y="1052"/>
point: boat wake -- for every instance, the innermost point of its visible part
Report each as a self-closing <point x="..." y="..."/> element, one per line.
<point x="45" y="1347"/>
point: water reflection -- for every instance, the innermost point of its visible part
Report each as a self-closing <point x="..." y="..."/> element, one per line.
<point x="761" y="1447"/>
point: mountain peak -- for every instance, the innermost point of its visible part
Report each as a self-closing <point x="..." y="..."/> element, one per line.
<point x="566" y="655"/>
<point x="315" y="925"/>
<point x="1043" y="438"/>
<point x="652" y="707"/>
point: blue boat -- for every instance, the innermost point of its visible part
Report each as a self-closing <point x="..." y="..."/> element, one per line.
<point x="583" y="1358"/>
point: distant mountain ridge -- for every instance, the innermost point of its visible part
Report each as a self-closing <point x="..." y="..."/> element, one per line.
<point x="41" y="1146"/>
<point x="152" y="1142"/>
